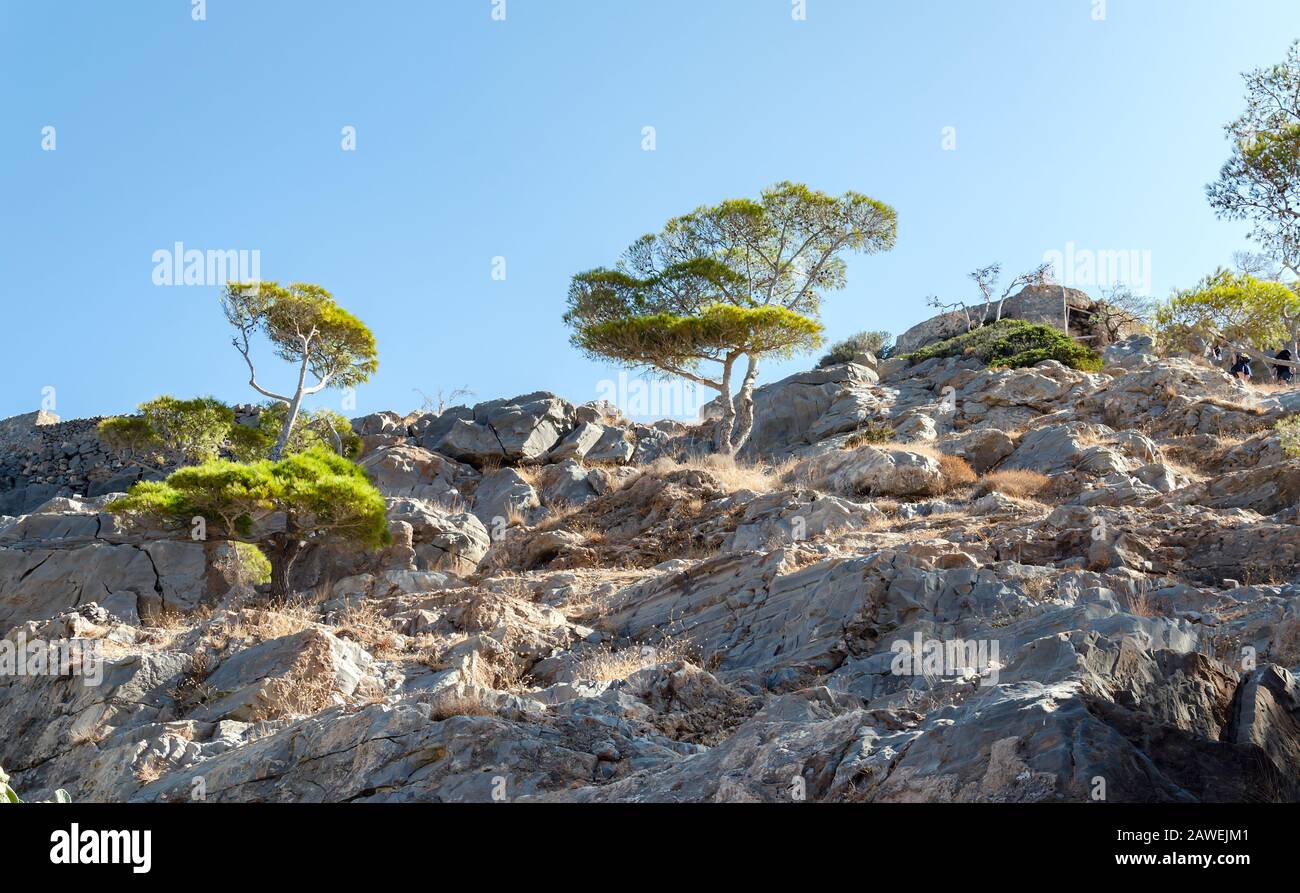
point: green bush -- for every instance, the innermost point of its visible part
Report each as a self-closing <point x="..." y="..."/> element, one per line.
<point x="863" y="342"/>
<point x="1288" y="434"/>
<point x="1014" y="344"/>
<point x="306" y="497"/>
<point x="871" y="434"/>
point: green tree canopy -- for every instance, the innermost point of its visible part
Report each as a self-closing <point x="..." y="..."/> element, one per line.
<point x="877" y="342"/>
<point x="169" y="430"/>
<point x="1260" y="181"/>
<point x="306" y="328"/>
<point x="309" y="497"/>
<point x="741" y="278"/>
<point x="1249" y="315"/>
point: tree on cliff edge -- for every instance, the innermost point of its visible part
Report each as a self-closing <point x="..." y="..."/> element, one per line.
<point x="307" y="329"/>
<point x="310" y="497"/>
<point x="743" y="278"/>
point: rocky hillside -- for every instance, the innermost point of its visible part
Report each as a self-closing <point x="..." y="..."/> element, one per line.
<point x="928" y="582"/>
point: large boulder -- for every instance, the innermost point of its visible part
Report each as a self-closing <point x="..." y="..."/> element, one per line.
<point x="873" y="471"/>
<point x="520" y="429"/>
<point x="410" y="471"/>
<point x="502" y="493"/>
<point x="1043" y="304"/>
<point x="790" y="412"/>
<point x="443" y="540"/>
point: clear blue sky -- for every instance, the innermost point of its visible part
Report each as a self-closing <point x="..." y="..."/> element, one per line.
<point x="523" y="139"/>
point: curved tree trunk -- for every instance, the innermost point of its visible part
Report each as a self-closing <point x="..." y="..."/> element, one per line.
<point x="286" y="550"/>
<point x="745" y="413"/>
<point x="728" y="421"/>
<point x="291" y="417"/>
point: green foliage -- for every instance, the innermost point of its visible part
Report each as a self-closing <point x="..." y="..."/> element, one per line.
<point x="307" y="328"/>
<point x="781" y="252"/>
<point x="1236" y="307"/>
<point x="741" y="278"/>
<point x="320" y="493"/>
<point x="1260" y="181"/>
<point x="188" y="431"/>
<point x="253" y="565"/>
<point x="679" y="341"/>
<point x="9" y="795"/>
<point x="1288" y="434"/>
<point x="1014" y="343"/>
<point x="312" y="428"/>
<point x="863" y="342"/>
<point x="870" y="434"/>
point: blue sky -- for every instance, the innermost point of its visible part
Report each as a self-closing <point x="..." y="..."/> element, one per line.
<point x="522" y="139"/>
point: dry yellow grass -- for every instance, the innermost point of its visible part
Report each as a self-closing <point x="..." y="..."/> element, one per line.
<point x="363" y="622"/>
<point x="269" y="623"/>
<point x="730" y="473"/>
<point x="957" y="472"/>
<point x="606" y="665"/>
<point x="1018" y="484"/>
<point x="590" y="533"/>
<point x="1231" y="405"/>
<point x="470" y="702"/>
<point x="870" y="435"/>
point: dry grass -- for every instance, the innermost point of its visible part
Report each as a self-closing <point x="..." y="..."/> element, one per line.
<point x="192" y="690"/>
<point x="606" y="665"/>
<point x="957" y="472"/>
<point x="1231" y="405"/>
<point x="470" y="702"/>
<point x="560" y="513"/>
<point x="869" y="435"/>
<point x="262" y="624"/>
<point x="590" y="533"/>
<point x="1271" y="387"/>
<point x="730" y="473"/>
<point x="1143" y="605"/>
<point x="1017" y="484"/>
<point x="306" y="689"/>
<point x="532" y="475"/>
<point x="513" y="587"/>
<point x="148" y="773"/>
<point x="364" y="623"/>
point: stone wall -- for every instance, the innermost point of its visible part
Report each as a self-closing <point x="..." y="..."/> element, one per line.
<point x="43" y="457"/>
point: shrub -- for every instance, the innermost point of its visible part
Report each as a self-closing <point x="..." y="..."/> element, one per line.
<point x="956" y="471"/>
<point x="185" y="431"/>
<point x="1016" y="483"/>
<point x="304" y="498"/>
<point x="871" y="434"/>
<point x="863" y="342"/>
<point x="1288" y="434"/>
<point x="1013" y="344"/>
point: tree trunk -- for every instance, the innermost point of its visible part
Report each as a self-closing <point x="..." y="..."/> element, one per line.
<point x="728" y="421"/>
<point x="287" y="548"/>
<point x="290" y="417"/>
<point x="745" y="416"/>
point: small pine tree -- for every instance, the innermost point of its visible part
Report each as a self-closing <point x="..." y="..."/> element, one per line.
<point x="309" y="497"/>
